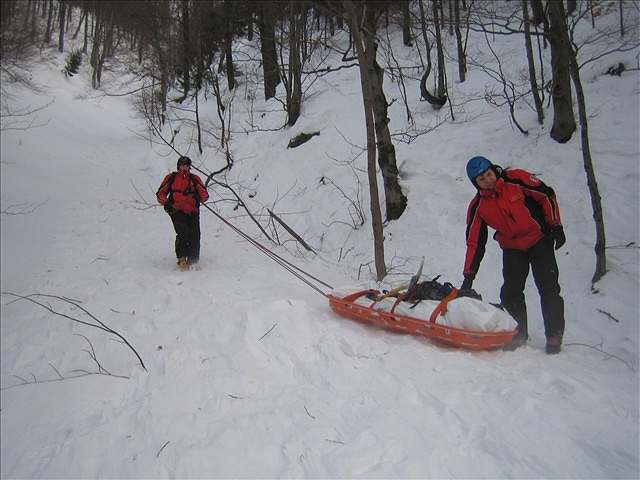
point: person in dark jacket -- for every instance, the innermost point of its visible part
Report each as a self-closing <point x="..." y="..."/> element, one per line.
<point x="181" y="193"/>
<point x="524" y="213"/>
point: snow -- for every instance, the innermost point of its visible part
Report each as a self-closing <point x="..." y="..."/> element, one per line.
<point x="248" y="371"/>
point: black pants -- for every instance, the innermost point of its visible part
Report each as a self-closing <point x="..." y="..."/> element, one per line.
<point x="187" y="227"/>
<point x="515" y="269"/>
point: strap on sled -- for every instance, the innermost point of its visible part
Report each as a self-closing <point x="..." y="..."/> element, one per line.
<point x="441" y="309"/>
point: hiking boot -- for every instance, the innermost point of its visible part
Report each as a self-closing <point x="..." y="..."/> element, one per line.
<point x="519" y="340"/>
<point x="554" y="344"/>
<point x="183" y="264"/>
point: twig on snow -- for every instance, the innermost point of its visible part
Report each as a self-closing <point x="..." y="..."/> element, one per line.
<point x="609" y="355"/>
<point x="609" y="315"/>
<point x="162" y="448"/>
<point x="100" y="326"/>
<point x="268" y="331"/>
<point x="334" y="441"/>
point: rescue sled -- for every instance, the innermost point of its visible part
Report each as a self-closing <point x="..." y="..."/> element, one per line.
<point x="349" y="307"/>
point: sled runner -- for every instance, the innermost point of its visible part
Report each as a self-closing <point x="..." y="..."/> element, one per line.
<point x="367" y="306"/>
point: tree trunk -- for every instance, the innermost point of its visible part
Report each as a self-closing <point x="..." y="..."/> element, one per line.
<point x="228" y="41"/>
<point x="462" y="57"/>
<point x="594" y="193"/>
<point x="436" y="102"/>
<point x="425" y="38"/>
<point x="294" y="99"/>
<point x="564" y="123"/>
<point x="186" y="49"/>
<point x="441" y="89"/>
<point x="62" y="18"/>
<point x="198" y="127"/>
<point x="406" y="24"/>
<point x="354" y="20"/>
<point x="47" y="35"/>
<point x="86" y="34"/>
<point x="270" y="67"/>
<point x="95" y="51"/>
<point x="538" y="12"/>
<point x="33" y="30"/>
<point x="532" y="68"/>
<point x="395" y="200"/>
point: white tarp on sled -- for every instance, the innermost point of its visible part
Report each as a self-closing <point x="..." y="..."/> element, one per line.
<point x="463" y="313"/>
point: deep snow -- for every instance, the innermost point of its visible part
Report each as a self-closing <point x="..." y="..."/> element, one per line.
<point x="250" y="374"/>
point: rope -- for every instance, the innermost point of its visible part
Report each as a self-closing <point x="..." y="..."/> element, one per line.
<point x="290" y="267"/>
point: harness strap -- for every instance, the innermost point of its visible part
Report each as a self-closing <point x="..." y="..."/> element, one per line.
<point x="441" y="309"/>
<point x="191" y="189"/>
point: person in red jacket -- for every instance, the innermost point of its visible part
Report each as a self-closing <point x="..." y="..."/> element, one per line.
<point x="524" y="213"/>
<point x="181" y="194"/>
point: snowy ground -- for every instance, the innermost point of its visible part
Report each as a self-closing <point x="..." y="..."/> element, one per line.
<point x="249" y="373"/>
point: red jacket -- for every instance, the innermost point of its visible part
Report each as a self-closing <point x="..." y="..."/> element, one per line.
<point x="520" y="208"/>
<point x="183" y="190"/>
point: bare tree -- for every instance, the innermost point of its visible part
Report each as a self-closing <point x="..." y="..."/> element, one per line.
<point x="462" y="56"/>
<point x="531" y="64"/>
<point x="186" y="49"/>
<point x="228" y="43"/>
<point x="47" y="36"/>
<point x="268" y="49"/>
<point x="406" y="24"/>
<point x="441" y="90"/>
<point x="354" y="17"/>
<point x="62" y="18"/>
<point x="434" y="100"/>
<point x="594" y="192"/>
<point x="564" y="123"/>
<point x="293" y="85"/>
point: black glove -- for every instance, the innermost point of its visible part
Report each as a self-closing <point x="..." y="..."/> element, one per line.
<point x="469" y="292"/>
<point x="466" y="290"/>
<point x="169" y="208"/>
<point x="557" y="234"/>
<point x="467" y="283"/>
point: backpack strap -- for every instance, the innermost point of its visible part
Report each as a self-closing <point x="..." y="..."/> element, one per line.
<point x="191" y="189"/>
<point x="168" y="181"/>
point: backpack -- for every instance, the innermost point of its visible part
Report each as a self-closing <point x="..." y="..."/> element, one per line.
<point x="432" y="290"/>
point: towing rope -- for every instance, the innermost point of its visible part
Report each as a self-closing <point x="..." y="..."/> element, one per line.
<point x="290" y="267"/>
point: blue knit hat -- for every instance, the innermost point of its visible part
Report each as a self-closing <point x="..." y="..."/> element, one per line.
<point x="477" y="166"/>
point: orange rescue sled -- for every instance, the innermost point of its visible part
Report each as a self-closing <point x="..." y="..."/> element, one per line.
<point x="469" y="339"/>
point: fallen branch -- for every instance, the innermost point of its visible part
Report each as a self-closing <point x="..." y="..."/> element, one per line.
<point x="240" y="201"/>
<point x="268" y="331"/>
<point x="609" y="315"/>
<point x="290" y="230"/>
<point x="100" y="326"/>
<point x="61" y="378"/>
<point x="22" y="208"/>
<point x="162" y="448"/>
<point x="598" y="349"/>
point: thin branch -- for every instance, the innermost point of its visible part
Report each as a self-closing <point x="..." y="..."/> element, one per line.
<point x="609" y="315"/>
<point x="598" y="349"/>
<point x="305" y="409"/>
<point x="162" y="448"/>
<point x="268" y="331"/>
<point x="100" y="326"/>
